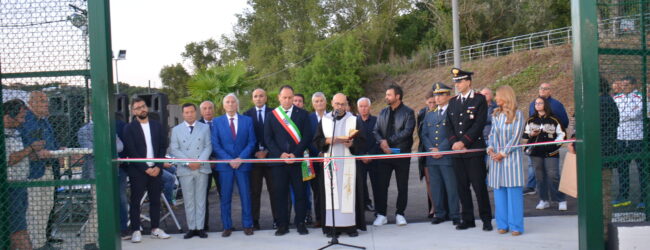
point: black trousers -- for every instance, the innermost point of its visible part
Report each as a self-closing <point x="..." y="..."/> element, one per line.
<point x="213" y="176"/>
<point x="283" y="176"/>
<point x="369" y="170"/>
<point x="259" y="173"/>
<point x="141" y="183"/>
<point x="385" y="169"/>
<point x="318" y="193"/>
<point x="472" y="171"/>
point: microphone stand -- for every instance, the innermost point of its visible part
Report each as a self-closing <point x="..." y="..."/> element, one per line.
<point x="335" y="240"/>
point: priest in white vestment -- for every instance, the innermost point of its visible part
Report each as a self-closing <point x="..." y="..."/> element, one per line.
<point x="347" y="131"/>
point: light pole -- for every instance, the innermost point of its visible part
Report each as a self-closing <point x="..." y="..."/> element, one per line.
<point x="120" y="56"/>
<point x="456" y="32"/>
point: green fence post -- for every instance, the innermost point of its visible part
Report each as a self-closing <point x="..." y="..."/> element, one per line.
<point x="5" y="243"/>
<point x="587" y="103"/>
<point x="104" y="129"/>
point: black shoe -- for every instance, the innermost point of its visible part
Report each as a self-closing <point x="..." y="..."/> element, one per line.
<point x="201" y="233"/>
<point x="190" y="234"/>
<point x="125" y="234"/>
<point x="370" y="208"/>
<point x="353" y="233"/>
<point x="281" y="231"/>
<point x="308" y="219"/>
<point x="456" y="222"/>
<point x="465" y="225"/>
<point x="275" y="225"/>
<point x="487" y="226"/>
<point x="529" y="191"/>
<point x="302" y="229"/>
<point x="256" y="225"/>
<point x="437" y="220"/>
<point x="54" y="240"/>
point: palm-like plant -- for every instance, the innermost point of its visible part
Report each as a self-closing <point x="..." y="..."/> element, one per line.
<point x="216" y="82"/>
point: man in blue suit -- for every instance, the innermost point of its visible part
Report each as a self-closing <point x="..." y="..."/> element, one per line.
<point x="287" y="134"/>
<point x="233" y="138"/>
<point x="441" y="171"/>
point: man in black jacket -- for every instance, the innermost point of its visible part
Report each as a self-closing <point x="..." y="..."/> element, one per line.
<point x="467" y="115"/>
<point x="394" y="133"/>
<point x="144" y="138"/>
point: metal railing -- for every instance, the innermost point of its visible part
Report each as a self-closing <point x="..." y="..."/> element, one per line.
<point x="608" y="27"/>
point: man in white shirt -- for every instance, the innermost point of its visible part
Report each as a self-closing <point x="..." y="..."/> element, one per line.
<point x="144" y="138"/>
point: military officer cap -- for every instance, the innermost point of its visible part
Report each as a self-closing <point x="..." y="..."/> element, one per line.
<point x="459" y="74"/>
<point x="441" y="89"/>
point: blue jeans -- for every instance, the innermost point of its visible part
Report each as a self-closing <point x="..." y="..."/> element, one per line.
<point x="548" y="171"/>
<point x="168" y="179"/>
<point x="124" y="216"/>
<point x="532" y="183"/>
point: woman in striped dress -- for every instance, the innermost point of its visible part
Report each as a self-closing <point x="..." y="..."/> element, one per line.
<point x="506" y="173"/>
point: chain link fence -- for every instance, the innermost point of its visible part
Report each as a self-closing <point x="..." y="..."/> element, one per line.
<point x="46" y="173"/>
<point x="624" y="110"/>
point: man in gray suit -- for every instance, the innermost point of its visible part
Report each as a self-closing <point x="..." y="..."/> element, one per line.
<point x="443" y="179"/>
<point x="191" y="140"/>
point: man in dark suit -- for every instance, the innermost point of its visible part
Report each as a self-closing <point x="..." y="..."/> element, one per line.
<point x="368" y="166"/>
<point x="260" y="171"/>
<point x="287" y="134"/>
<point x="207" y="115"/>
<point x="319" y="102"/>
<point x="467" y="115"/>
<point x="144" y="138"/>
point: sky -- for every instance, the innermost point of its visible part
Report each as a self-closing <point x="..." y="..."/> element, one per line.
<point x="154" y="33"/>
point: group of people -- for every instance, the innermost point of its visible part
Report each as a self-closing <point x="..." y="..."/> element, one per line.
<point x="477" y="134"/>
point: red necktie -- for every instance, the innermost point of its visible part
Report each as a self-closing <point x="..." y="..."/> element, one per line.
<point x="232" y="128"/>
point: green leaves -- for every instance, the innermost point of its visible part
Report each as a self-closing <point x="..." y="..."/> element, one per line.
<point x="216" y="82"/>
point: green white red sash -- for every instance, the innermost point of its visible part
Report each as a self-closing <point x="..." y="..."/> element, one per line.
<point x="308" y="171"/>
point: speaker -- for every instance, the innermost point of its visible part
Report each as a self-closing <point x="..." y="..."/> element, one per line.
<point x="66" y="119"/>
<point x="122" y="107"/>
<point x="157" y="103"/>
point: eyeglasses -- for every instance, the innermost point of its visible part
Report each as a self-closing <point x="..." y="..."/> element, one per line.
<point x="544" y="88"/>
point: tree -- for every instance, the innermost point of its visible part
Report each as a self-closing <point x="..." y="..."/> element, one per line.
<point x="202" y="54"/>
<point x="335" y="68"/>
<point x="174" y="79"/>
<point x="216" y="82"/>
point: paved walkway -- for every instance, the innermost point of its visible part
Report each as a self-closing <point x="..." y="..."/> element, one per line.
<point x="544" y="232"/>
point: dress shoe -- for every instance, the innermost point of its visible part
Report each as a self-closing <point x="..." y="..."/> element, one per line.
<point x="516" y="233"/>
<point x="456" y="222"/>
<point x="502" y="231"/>
<point x="282" y="231"/>
<point x="487" y="226"/>
<point x="248" y="231"/>
<point x="437" y="220"/>
<point x="226" y="233"/>
<point x="302" y="229"/>
<point x="201" y="233"/>
<point x="353" y="233"/>
<point x="190" y="234"/>
<point x="256" y="225"/>
<point x="465" y="225"/>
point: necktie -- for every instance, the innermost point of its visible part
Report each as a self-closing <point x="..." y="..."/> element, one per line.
<point x="259" y="117"/>
<point x="462" y="100"/>
<point x="191" y="129"/>
<point x="232" y="128"/>
<point x="441" y="111"/>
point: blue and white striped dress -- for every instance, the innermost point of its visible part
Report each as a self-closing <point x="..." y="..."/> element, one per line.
<point x="509" y="172"/>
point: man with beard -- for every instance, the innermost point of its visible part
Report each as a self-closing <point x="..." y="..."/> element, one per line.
<point x="340" y="134"/>
<point x="144" y="138"/>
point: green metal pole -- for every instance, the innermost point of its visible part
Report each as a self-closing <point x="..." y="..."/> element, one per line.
<point x="5" y="243"/>
<point x="644" y="87"/>
<point x="587" y="103"/>
<point x="104" y="128"/>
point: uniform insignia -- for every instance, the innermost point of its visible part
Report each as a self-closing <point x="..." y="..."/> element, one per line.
<point x="455" y="72"/>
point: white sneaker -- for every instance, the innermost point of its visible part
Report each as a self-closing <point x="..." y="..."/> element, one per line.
<point x="136" y="237"/>
<point x="159" y="234"/>
<point x="380" y="220"/>
<point x="561" y="206"/>
<point x="543" y="205"/>
<point x="400" y="220"/>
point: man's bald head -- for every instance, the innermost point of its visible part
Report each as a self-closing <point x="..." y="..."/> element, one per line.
<point x="39" y="104"/>
<point x="340" y="103"/>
